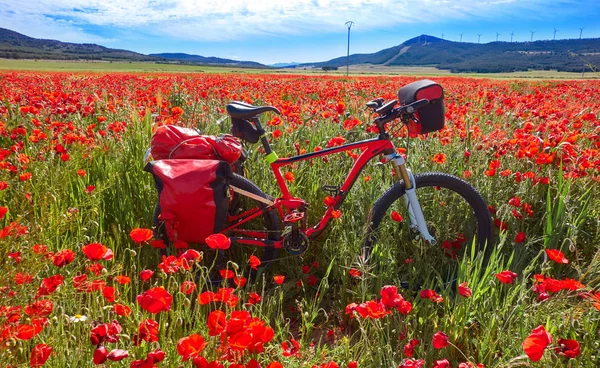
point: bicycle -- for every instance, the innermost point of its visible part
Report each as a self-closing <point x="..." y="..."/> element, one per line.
<point x="284" y="221"/>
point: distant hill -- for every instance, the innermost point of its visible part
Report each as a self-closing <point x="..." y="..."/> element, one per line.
<point x="197" y="59"/>
<point x="14" y="45"/>
<point x="293" y="64"/>
<point x="493" y="57"/>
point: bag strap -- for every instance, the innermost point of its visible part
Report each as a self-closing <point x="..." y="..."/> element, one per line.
<point x="189" y="139"/>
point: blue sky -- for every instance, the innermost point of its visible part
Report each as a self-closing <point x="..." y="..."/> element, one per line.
<point x="292" y="30"/>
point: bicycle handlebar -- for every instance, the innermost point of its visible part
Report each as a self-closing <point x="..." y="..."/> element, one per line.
<point x="388" y="113"/>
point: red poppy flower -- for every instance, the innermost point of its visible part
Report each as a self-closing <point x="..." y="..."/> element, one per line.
<point x="100" y="355"/>
<point x="506" y="277"/>
<point x="409" y="348"/>
<point x="145" y="275"/>
<point x="123" y="280"/>
<point x="227" y="274"/>
<point x="97" y="251"/>
<point x="90" y="188"/>
<point x="240" y="281"/>
<point x="412" y="363"/>
<point x="105" y="332"/>
<point x="3" y="211"/>
<point x="464" y="290"/>
<point x="140" y="235"/>
<point x="355" y="273"/>
<point x="440" y="340"/>
<point x="22" y="278"/>
<point x="216" y="322"/>
<point x="188" y="287"/>
<point x="158" y="244"/>
<point x="279" y="279"/>
<point x="206" y="297"/>
<point x="147" y="331"/>
<point x="190" y="346"/>
<point x="520" y="238"/>
<point x="117" y="354"/>
<point x="109" y="293"/>
<point x="535" y="344"/>
<point x="122" y="310"/>
<point x="191" y="255"/>
<point x="39" y="354"/>
<point x="432" y="295"/>
<point x="63" y="257"/>
<point x="40" y="308"/>
<point x="254" y="262"/>
<point x="49" y="285"/>
<point x="397" y="217"/>
<point x="275" y="365"/>
<point x="26" y="176"/>
<point x="439" y="158"/>
<point x="81" y="172"/>
<point x="253" y="298"/>
<point x="218" y="241"/>
<point x="240" y="341"/>
<point x="557" y="256"/>
<point x="155" y="300"/>
<point x="291" y="348"/>
<point x="568" y="348"/>
<point x="289" y="176"/>
<point x="329" y="201"/>
<point x="443" y="363"/>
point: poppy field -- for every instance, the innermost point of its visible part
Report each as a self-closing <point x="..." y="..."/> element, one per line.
<point x="84" y="283"/>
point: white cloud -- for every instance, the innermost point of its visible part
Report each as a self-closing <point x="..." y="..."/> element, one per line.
<point x="213" y="20"/>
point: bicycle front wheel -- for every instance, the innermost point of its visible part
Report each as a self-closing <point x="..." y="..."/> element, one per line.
<point x="456" y="215"/>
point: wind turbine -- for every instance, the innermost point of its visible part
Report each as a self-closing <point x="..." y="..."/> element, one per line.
<point x="460" y="34"/>
<point x="497" y="34"/>
<point x="532" y="32"/>
<point x="442" y="36"/>
<point x="580" y="32"/>
<point x="479" y="37"/>
<point x="555" y="30"/>
<point x="511" y="36"/>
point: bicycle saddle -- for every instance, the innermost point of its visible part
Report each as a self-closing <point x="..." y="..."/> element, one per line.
<point x="242" y="110"/>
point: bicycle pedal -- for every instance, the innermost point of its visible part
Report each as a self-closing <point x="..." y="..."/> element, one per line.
<point x="293" y="217"/>
<point x="331" y="189"/>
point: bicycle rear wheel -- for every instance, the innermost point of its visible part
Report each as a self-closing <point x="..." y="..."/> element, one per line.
<point x="456" y="215"/>
<point x="268" y="223"/>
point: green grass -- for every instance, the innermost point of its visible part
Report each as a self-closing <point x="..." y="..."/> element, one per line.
<point x="149" y="67"/>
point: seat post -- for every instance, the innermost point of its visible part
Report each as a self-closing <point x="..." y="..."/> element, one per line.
<point x="263" y="137"/>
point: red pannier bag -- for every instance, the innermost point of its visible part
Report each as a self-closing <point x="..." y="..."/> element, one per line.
<point x="192" y="195"/>
<point x="175" y="142"/>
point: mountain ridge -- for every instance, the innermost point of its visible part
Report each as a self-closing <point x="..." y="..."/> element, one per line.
<point x="425" y="50"/>
<point x="14" y="45"/>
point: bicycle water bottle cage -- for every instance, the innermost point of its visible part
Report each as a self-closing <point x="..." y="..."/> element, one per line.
<point x="331" y="189"/>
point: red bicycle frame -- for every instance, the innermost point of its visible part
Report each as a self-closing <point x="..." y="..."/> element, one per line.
<point x="287" y="203"/>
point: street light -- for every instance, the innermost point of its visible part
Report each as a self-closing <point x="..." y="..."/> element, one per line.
<point x="349" y="25"/>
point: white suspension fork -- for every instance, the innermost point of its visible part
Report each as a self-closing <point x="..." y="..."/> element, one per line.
<point x="417" y="220"/>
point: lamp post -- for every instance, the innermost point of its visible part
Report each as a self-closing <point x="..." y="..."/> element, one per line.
<point x="349" y="25"/>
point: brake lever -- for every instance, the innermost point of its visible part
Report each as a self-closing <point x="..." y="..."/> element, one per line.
<point x="375" y="104"/>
